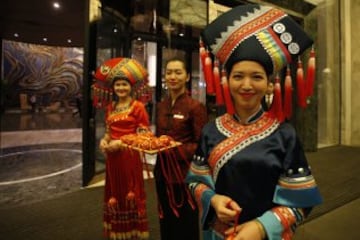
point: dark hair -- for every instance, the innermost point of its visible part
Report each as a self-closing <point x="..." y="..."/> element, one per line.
<point x="116" y="78"/>
<point x="229" y="66"/>
<point x="179" y="59"/>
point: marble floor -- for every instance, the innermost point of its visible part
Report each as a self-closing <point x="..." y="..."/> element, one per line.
<point x="40" y="156"/>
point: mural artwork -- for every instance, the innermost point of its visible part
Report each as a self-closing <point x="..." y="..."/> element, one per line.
<point x="39" y="77"/>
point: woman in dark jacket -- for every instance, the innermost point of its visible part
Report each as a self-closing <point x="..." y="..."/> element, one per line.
<point x="182" y="118"/>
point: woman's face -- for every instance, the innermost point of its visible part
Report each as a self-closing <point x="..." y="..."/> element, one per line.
<point x="176" y="75"/>
<point x="248" y="83"/>
<point x="122" y="88"/>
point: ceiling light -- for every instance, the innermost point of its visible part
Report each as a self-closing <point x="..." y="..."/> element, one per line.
<point x="69" y="41"/>
<point x="45" y="39"/>
<point x="16" y="35"/>
<point x="56" y="5"/>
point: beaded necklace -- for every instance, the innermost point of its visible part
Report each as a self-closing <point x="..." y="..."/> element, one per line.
<point x="120" y="109"/>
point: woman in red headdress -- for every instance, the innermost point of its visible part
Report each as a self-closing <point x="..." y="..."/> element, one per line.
<point x="125" y="214"/>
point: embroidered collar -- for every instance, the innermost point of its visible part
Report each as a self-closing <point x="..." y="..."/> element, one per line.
<point x="252" y="118"/>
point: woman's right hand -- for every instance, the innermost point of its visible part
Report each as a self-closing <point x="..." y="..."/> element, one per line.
<point x="114" y="145"/>
<point x="226" y="209"/>
<point x="103" y="145"/>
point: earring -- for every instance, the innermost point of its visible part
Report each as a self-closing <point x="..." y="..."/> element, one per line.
<point x="269" y="99"/>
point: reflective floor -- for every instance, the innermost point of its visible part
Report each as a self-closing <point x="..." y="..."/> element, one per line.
<point x="40" y="156"/>
<point x="21" y="120"/>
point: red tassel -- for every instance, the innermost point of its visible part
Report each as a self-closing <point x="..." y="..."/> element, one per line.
<point x="209" y="74"/>
<point x="300" y="85"/>
<point x="227" y="96"/>
<point x="276" y="107"/>
<point x="310" y="74"/>
<point x="95" y="94"/>
<point x="95" y="98"/>
<point x="217" y="82"/>
<point x="202" y="53"/>
<point x="206" y="67"/>
<point x="288" y="95"/>
<point x="103" y="98"/>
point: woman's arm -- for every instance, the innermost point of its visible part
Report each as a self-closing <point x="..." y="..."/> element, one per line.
<point x="104" y="141"/>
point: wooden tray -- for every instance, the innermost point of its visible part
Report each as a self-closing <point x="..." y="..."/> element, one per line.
<point x="155" y="151"/>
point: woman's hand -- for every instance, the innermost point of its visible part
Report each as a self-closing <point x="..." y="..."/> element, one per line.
<point x="252" y="230"/>
<point x="103" y="145"/>
<point x="226" y="209"/>
<point x="113" y="145"/>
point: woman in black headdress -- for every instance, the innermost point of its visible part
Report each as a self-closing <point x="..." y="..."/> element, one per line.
<point x="249" y="175"/>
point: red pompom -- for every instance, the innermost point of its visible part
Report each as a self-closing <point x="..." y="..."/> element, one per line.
<point x="112" y="202"/>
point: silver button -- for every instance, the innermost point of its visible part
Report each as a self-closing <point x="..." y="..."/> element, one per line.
<point x="279" y="28"/>
<point x="286" y="37"/>
<point x="294" y="48"/>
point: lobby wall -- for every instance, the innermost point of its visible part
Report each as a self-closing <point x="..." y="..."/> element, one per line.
<point x="350" y="74"/>
<point x="355" y="72"/>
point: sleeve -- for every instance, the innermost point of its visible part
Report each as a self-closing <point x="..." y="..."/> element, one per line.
<point x="198" y="120"/>
<point x="142" y="115"/>
<point x="296" y="186"/>
<point x="200" y="182"/>
<point x="107" y="111"/>
<point x="295" y="194"/>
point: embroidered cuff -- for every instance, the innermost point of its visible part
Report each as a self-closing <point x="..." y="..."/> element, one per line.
<point x="205" y="202"/>
<point x="272" y="225"/>
<point x="298" y="198"/>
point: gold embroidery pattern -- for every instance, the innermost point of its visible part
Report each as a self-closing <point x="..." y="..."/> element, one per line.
<point x="116" y="116"/>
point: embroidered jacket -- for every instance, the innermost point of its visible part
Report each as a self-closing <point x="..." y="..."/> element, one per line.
<point x="261" y="165"/>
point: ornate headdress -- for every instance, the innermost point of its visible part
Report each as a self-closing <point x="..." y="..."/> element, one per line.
<point x="119" y="68"/>
<point x="252" y="32"/>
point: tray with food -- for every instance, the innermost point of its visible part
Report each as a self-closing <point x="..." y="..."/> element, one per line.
<point x="147" y="142"/>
